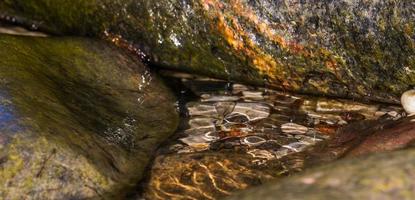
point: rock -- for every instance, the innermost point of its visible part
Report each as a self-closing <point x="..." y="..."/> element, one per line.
<point x="355" y="49"/>
<point x="392" y="137"/>
<point x="381" y="176"/>
<point x="253" y="141"/>
<point x="408" y="101"/>
<point x="293" y="128"/>
<point x="365" y="137"/>
<point x="79" y="119"/>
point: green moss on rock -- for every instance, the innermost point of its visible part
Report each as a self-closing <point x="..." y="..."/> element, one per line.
<point x="78" y="118"/>
<point x="382" y="176"/>
<point x="356" y="49"/>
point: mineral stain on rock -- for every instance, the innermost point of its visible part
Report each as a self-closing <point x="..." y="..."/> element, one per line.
<point x="78" y="121"/>
<point x="354" y="49"/>
<point x="78" y="118"/>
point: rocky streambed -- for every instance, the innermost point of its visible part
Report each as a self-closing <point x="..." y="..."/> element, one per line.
<point x="235" y="136"/>
<point x="258" y="116"/>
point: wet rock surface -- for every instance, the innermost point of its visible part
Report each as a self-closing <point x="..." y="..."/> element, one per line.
<point x="7" y="28"/>
<point x="390" y="137"/>
<point x="356" y="49"/>
<point x="236" y="136"/>
<point x="79" y="119"/>
<point x="364" y="170"/>
<point x="376" y="176"/>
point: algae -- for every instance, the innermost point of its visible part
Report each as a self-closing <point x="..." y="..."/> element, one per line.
<point x="86" y="118"/>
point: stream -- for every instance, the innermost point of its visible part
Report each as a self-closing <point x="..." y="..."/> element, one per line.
<point x="233" y="136"/>
<point x="230" y="137"/>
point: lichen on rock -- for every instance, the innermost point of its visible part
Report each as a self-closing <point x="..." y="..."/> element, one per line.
<point x="355" y="49"/>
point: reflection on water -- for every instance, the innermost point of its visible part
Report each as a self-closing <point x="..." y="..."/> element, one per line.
<point x="235" y="136"/>
<point x="264" y="123"/>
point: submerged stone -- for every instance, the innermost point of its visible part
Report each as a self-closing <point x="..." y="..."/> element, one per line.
<point x="203" y="176"/>
<point x="226" y="146"/>
<point x="355" y="49"/>
<point x="79" y="119"/>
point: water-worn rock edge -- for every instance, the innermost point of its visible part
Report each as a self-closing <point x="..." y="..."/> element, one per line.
<point x="79" y="118"/>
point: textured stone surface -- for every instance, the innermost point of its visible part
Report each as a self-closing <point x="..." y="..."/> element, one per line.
<point x="78" y="119"/>
<point x="348" y="48"/>
<point x="390" y="137"/>
<point x="376" y="176"/>
<point x="383" y="176"/>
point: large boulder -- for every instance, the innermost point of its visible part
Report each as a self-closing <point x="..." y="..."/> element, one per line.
<point x="359" y="175"/>
<point x="79" y="119"/>
<point x="381" y="176"/>
<point x="347" y="48"/>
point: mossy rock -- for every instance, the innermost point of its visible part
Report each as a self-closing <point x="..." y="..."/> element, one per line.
<point x="380" y="176"/>
<point x="79" y="119"/>
<point x="366" y="160"/>
<point x="355" y="49"/>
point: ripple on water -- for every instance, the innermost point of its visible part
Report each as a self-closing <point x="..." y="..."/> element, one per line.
<point x="237" y="139"/>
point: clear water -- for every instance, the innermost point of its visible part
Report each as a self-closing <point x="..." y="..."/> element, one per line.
<point x="235" y="136"/>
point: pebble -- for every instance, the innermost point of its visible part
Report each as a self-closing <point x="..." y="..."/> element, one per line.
<point x="267" y="125"/>
<point x="253" y="140"/>
<point x="201" y="122"/>
<point x="199" y="141"/>
<point x="254" y="111"/>
<point x="293" y="128"/>
<point x="239" y="88"/>
<point x="263" y="154"/>
<point x="408" y="102"/>
<point x="296" y="146"/>
<point x="224" y="108"/>
<point x="216" y="98"/>
<point x="253" y="95"/>
<point x="206" y="110"/>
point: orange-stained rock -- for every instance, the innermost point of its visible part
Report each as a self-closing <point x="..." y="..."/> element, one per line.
<point x="354" y="49"/>
<point x="396" y="137"/>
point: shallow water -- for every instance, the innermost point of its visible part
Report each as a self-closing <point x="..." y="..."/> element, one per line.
<point x="232" y="136"/>
<point x="235" y="136"/>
